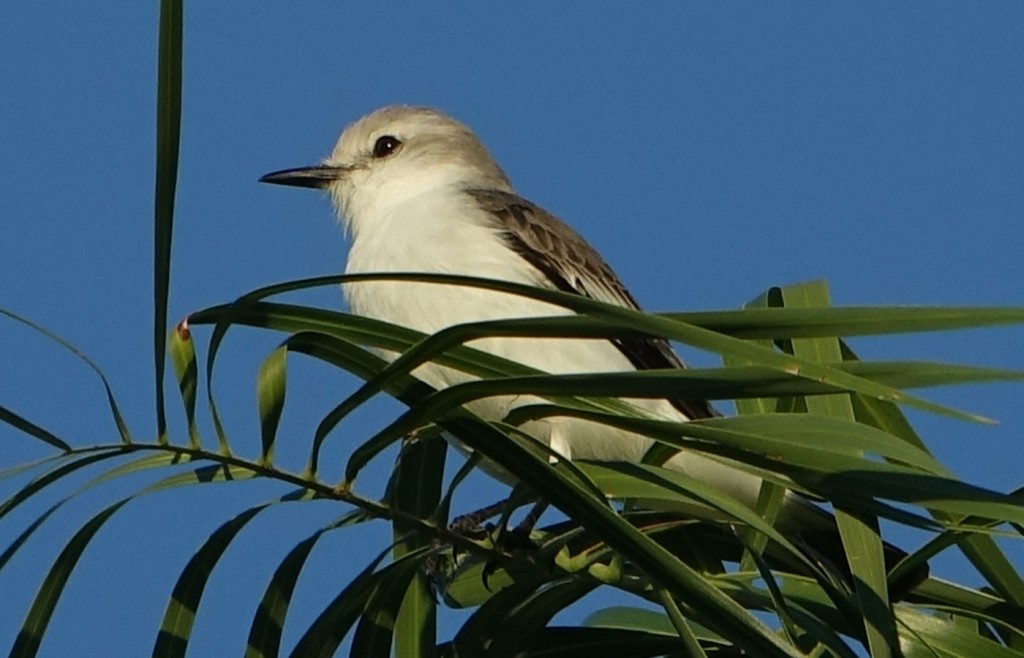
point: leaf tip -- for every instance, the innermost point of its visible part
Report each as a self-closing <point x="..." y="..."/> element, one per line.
<point x="183" y="331"/>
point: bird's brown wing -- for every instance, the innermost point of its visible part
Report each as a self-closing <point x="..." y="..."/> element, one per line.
<point x="572" y="265"/>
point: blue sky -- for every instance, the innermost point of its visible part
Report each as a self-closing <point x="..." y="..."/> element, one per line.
<point x="708" y="150"/>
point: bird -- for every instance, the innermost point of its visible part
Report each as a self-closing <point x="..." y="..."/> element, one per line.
<point x="418" y="191"/>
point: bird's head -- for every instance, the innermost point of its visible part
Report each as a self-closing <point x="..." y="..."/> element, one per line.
<point x="393" y="155"/>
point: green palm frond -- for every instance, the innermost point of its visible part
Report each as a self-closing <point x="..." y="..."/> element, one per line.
<point x="712" y="577"/>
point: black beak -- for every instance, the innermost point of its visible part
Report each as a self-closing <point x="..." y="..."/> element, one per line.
<point x="317" y="177"/>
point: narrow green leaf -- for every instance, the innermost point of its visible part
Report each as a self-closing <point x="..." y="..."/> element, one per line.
<point x="54" y="475"/>
<point x="860" y="534"/>
<point x="993" y="564"/>
<point x="754" y="405"/>
<point x="294" y="319"/>
<point x="682" y="627"/>
<point x="977" y="604"/>
<point x="183" y="357"/>
<point x="885" y="416"/>
<point x="136" y="465"/>
<point x="20" y="540"/>
<point x="822" y="350"/>
<point x="918" y="374"/>
<point x="270" y="392"/>
<point x="416" y="486"/>
<point x="216" y="340"/>
<point x="627" y="618"/>
<point x="57" y="474"/>
<point x="38" y="464"/>
<point x="33" y="628"/>
<point x="28" y="427"/>
<point x="326" y="633"/>
<point x="168" y="137"/>
<point x="115" y="411"/>
<point x="780" y="606"/>
<point x="771" y="496"/>
<point x="770" y="499"/>
<point x="268" y="622"/>
<point x="376" y="629"/>
<point x="863" y="545"/>
<point x="443" y="512"/>
<point x="176" y="627"/>
<point x="779" y="323"/>
<point x="517" y="632"/>
<point x="204" y="475"/>
<point x="926" y="635"/>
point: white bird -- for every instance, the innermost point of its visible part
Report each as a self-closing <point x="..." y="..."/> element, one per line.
<point x="419" y="192"/>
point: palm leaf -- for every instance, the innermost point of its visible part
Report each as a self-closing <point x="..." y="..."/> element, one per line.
<point x="813" y="418"/>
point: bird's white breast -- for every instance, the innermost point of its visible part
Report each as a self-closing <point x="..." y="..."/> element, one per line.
<point x="443" y="232"/>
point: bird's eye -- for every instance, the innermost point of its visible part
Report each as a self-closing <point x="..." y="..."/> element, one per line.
<point x="385" y="146"/>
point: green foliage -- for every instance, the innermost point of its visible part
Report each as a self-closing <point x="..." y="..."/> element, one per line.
<point x="812" y="418"/>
